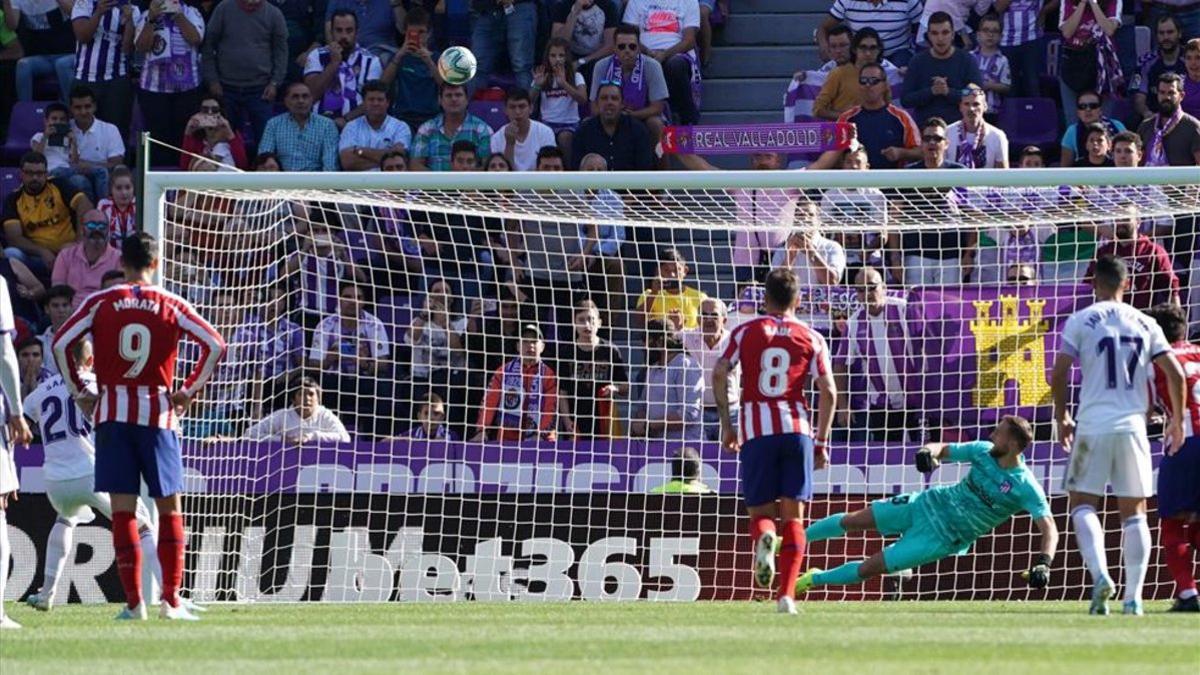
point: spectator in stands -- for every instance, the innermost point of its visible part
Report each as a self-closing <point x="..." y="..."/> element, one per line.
<point x="936" y="77"/>
<point x="589" y="27"/>
<point x="1098" y="147"/>
<point x="1032" y="158"/>
<point x="560" y="91"/>
<point x="112" y="278"/>
<point x="497" y="24"/>
<point x="303" y="141"/>
<point x="44" y="31"/>
<point x="120" y="206"/>
<point x="305" y="24"/>
<point x="842" y="90"/>
<point x="1022" y="275"/>
<point x="975" y="143"/>
<point x="267" y="161"/>
<point x="464" y="157"/>
<point x="550" y="158"/>
<point x="1184" y="11"/>
<point x="39" y="219"/>
<point x="643" y="87"/>
<point x="10" y="53"/>
<point x="847" y="211"/>
<point x="494" y="329"/>
<point x="667" y="299"/>
<point x="30" y="356"/>
<point x="992" y="63"/>
<point x="25" y="289"/>
<point x="1152" y="279"/>
<point x="1172" y="137"/>
<point x="894" y="20"/>
<point x="349" y="349"/>
<point x="601" y="244"/>
<point x="706" y="345"/>
<point x="1088" y="59"/>
<point x="58" y="144"/>
<point x="275" y="345"/>
<point x="934" y="146"/>
<point x="337" y="72"/>
<point x="886" y="130"/>
<point x="816" y="259"/>
<point x="437" y="337"/>
<point x="686" y="470"/>
<point x="553" y="254"/>
<point x="592" y="377"/>
<point x="103" y="43"/>
<point x="1019" y="243"/>
<point x="324" y="267"/>
<point x="497" y="162"/>
<point x="668" y="35"/>
<point x="431" y="147"/>
<point x="306" y="421"/>
<point x="394" y="160"/>
<point x="366" y="139"/>
<point x="82" y="264"/>
<point x="413" y="74"/>
<point x="168" y="37"/>
<point x="1021" y="42"/>
<point x="57" y="305"/>
<point x="1088" y="110"/>
<point x="1191" y="78"/>
<point x="209" y="134"/>
<point x="672" y="394"/>
<point x="1166" y="58"/>
<point x="522" y="138"/>
<point x="618" y="137"/>
<point x="522" y="398"/>
<point x="376" y="20"/>
<point x="838" y="42"/>
<point x="876" y="349"/>
<point x="98" y="142"/>
<point x="245" y="60"/>
<point x="431" y="422"/>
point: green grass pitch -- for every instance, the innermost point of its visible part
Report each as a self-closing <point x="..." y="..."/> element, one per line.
<point x="861" y="638"/>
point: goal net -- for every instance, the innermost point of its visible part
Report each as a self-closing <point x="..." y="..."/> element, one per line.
<point x="511" y="368"/>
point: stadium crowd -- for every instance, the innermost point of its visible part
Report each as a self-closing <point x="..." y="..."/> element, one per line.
<point x="504" y="329"/>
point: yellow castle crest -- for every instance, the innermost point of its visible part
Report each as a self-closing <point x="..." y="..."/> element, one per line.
<point x="1010" y="349"/>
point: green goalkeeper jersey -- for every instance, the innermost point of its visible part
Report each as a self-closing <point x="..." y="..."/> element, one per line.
<point x="988" y="496"/>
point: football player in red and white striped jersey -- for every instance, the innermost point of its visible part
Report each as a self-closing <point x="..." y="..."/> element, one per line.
<point x="780" y="356"/>
<point x="136" y="328"/>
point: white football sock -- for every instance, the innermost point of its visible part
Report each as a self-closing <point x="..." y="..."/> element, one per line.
<point x="1090" y="537"/>
<point x="1135" y="551"/>
<point x="58" y="547"/>
<point x="150" y="554"/>
<point x="4" y="553"/>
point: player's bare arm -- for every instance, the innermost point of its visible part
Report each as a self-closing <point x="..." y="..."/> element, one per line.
<point x="720" y="378"/>
<point x="827" y="390"/>
<point x="1038" y="574"/>
<point x="1177" y="386"/>
<point x="1060" y="387"/>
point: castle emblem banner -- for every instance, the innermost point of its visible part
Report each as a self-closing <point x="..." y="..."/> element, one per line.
<point x="982" y="352"/>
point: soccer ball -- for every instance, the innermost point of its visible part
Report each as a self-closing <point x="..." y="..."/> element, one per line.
<point x="456" y="65"/>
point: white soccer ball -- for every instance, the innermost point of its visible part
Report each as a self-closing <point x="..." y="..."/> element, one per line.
<point x="456" y="65"/>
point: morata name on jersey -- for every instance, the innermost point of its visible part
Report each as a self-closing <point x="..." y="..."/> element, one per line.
<point x="145" y="304"/>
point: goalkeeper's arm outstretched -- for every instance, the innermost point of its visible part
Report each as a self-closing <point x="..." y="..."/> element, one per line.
<point x="945" y="520"/>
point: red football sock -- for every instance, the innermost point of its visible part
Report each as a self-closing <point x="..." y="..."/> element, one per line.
<point x="759" y="525"/>
<point x="1174" y="541"/>
<point x="170" y="555"/>
<point x="129" y="555"/>
<point x="791" y="557"/>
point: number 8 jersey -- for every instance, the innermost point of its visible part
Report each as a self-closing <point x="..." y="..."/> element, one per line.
<point x="135" y="333"/>
<point x="778" y="355"/>
<point x="1115" y="346"/>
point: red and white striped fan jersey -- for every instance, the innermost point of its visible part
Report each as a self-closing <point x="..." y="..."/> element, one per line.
<point x="1189" y="357"/>
<point x="136" y="331"/>
<point x="779" y="355"/>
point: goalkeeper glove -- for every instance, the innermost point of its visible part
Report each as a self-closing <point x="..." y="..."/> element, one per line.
<point x="926" y="462"/>
<point x="1038" y="576"/>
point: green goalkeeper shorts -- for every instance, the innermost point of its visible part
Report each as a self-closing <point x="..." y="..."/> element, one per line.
<point x="919" y="544"/>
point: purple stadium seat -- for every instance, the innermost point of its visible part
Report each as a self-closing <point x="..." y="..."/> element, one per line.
<point x="491" y="112"/>
<point x="1029" y="121"/>
<point x="27" y="119"/>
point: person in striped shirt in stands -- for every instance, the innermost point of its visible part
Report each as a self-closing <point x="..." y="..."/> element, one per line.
<point x="136" y="328"/>
<point x="103" y="41"/>
<point x="779" y="446"/>
<point x="894" y="19"/>
<point x="337" y="72"/>
<point x="1021" y="42"/>
<point x="168" y="39"/>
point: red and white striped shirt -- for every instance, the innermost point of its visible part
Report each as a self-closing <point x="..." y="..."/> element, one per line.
<point x="136" y="331"/>
<point x="1189" y="357"/>
<point x="121" y="222"/>
<point x="779" y="354"/>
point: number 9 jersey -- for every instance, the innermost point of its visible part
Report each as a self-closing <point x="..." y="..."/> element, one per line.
<point x="778" y="355"/>
<point x="1115" y="345"/>
<point x="135" y="332"/>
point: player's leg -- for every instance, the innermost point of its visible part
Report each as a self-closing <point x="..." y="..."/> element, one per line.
<point x="1178" y="505"/>
<point x="101" y="502"/>
<point x="164" y="480"/>
<point x="1132" y="483"/>
<point x="918" y="546"/>
<point x="795" y="457"/>
<point x="118" y="472"/>
<point x="760" y="491"/>
<point x="841" y="524"/>
<point x="791" y="549"/>
<point x="1086" y="481"/>
<point x="5" y="552"/>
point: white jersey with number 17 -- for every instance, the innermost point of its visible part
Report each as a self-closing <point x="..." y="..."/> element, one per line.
<point x="1115" y="346"/>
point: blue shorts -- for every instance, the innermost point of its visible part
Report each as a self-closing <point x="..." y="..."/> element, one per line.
<point x="779" y="465"/>
<point x="1179" y="480"/>
<point x="126" y="454"/>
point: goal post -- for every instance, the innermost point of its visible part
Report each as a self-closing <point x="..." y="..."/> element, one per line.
<point x="559" y="510"/>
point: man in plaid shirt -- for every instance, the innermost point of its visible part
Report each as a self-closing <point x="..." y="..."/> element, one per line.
<point x="431" y="147"/>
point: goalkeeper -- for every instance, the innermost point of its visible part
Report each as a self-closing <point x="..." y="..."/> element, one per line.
<point x="945" y="520"/>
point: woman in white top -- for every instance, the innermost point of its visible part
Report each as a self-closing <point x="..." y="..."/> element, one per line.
<point x="307" y="421"/>
<point x="559" y="90"/>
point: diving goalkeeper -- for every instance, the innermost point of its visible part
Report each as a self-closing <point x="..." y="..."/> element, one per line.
<point x="945" y="520"/>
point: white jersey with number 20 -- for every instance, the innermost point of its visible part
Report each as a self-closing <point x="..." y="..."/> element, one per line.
<point x="1115" y="346"/>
